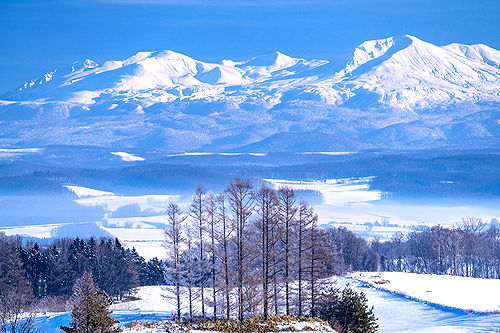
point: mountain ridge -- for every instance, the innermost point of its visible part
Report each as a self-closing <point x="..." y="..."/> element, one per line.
<point x="409" y="87"/>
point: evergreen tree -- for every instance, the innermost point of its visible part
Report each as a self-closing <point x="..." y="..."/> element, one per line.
<point x="151" y="272"/>
<point x="348" y="310"/>
<point x="90" y="313"/>
<point x="35" y="264"/>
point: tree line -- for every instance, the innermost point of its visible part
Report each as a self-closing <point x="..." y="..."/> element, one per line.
<point x="468" y="249"/>
<point x="50" y="271"/>
<point x="246" y="251"/>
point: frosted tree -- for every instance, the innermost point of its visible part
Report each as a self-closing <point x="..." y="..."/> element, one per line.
<point x="241" y="199"/>
<point x="267" y="204"/>
<point x="305" y="222"/>
<point x="225" y="242"/>
<point x="173" y="239"/>
<point x="287" y="210"/>
<point x="316" y="258"/>
<point x="211" y="208"/>
<point x="198" y="215"/>
<point x="188" y="264"/>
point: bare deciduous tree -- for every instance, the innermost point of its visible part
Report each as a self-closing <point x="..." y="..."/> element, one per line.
<point x="224" y="240"/>
<point x="211" y="208"/>
<point x="267" y="203"/>
<point x="240" y="198"/>
<point x="198" y="215"/>
<point x="173" y="239"/>
<point x="287" y="210"/>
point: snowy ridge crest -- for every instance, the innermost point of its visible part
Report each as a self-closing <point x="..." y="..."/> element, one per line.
<point x="402" y="72"/>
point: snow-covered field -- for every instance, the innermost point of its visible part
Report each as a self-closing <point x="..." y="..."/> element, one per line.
<point x="127" y="157"/>
<point x="113" y="202"/>
<point x="470" y="294"/>
<point x="38" y="231"/>
<point x="350" y="202"/>
<point x="83" y="192"/>
<point x="395" y="313"/>
<point x="16" y="152"/>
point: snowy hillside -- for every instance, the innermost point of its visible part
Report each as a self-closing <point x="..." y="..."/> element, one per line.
<point x="466" y="293"/>
<point x="397" y="92"/>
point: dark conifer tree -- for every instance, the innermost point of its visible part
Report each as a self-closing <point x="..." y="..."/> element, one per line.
<point x="152" y="273"/>
<point x="90" y="313"/>
<point x="348" y="310"/>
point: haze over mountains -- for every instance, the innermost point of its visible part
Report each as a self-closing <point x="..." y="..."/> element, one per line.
<point x="395" y="93"/>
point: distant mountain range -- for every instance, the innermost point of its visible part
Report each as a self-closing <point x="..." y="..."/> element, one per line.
<point x="395" y="93"/>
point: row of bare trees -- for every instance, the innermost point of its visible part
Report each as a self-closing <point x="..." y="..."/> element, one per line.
<point x="471" y="248"/>
<point x="245" y="251"/>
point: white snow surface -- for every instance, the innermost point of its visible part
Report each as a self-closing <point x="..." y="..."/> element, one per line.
<point x="466" y="293"/>
<point x="84" y="192"/>
<point x="395" y="313"/>
<point x="112" y="202"/>
<point x="17" y="152"/>
<point x="162" y="300"/>
<point x="127" y="157"/>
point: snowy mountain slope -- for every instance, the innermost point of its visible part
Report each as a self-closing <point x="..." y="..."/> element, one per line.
<point x="479" y="52"/>
<point x="396" y="91"/>
<point x="407" y="73"/>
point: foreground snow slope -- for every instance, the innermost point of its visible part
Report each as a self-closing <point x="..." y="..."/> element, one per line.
<point x="401" y="314"/>
<point x="395" y="313"/>
<point x="394" y="92"/>
<point x="464" y="293"/>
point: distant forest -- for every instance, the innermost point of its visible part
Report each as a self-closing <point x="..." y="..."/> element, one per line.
<point x="400" y="175"/>
<point x="259" y="245"/>
<point x="39" y="183"/>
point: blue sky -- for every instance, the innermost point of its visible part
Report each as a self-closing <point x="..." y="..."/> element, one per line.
<point x="39" y="35"/>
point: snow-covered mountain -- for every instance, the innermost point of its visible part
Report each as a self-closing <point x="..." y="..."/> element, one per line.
<point x="394" y="93"/>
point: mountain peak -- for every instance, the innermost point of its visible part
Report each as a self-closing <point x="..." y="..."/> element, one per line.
<point x="273" y="61"/>
<point x="378" y="51"/>
<point x="478" y="52"/>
